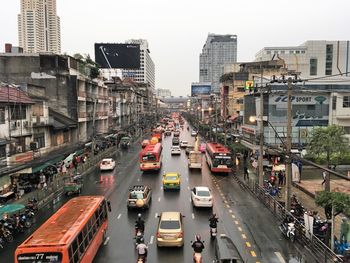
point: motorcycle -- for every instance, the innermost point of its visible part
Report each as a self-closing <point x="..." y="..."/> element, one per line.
<point x="25" y="221"/>
<point x="138" y="235"/>
<point x="6" y="234"/>
<point x="213" y="232"/>
<point x="288" y="230"/>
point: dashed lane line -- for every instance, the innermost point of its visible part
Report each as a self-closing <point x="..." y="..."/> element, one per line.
<point x="280" y="258"/>
<point x="248" y="244"/>
<point x="151" y="240"/>
<point x="233" y="216"/>
<point x="244" y="236"/>
<point x="192" y="215"/>
<point x="236" y="222"/>
<point x="228" y="206"/>
<point x="119" y="216"/>
<point x="106" y="241"/>
<point x="188" y="188"/>
<point x="158" y="199"/>
<point x="156" y="215"/>
<point x="240" y="229"/>
<point x="190" y="199"/>
<point x="138" y="179"/>
<point x="230" y="211"/>
<point x="252" y="252"/>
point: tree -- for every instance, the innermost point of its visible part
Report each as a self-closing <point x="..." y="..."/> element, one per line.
<point x="334" y="203"/>
<point x="328" y="142"/>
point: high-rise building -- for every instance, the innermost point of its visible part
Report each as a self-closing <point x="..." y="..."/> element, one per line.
<point x="217" y="51"/>
<point x="314" y="58"/>
<point x="146" y="72"/>
<point x="39" y="27"/>
<point x="163" y="93"/>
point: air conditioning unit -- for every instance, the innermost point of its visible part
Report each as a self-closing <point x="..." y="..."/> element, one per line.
<point x="18" y="123"/>
<point x="19" y="149"/>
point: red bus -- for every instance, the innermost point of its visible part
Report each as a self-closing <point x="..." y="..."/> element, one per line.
<point x="151" y="157"/>
<point x="73" y="234"/>
<point x="218" y="157"/>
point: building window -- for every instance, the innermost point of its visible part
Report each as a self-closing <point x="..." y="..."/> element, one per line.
<point x="2" y="115"/>
<point x="347" y="129"/>
<point x="268" y="52"/>
<point x="346" y="102"/>
<point x="18" y="112"/>
<point x="310" y="107"/>
<point x="329" y="59"/>
<point x="2" y="151"/>
<point x="282" y="52"/>
<point x="66" y="136"/>
<point x="38" y="110"/>
<point x="40" y="138"/>
<point x="334" y="102"/>
<point x="313" y="66"/>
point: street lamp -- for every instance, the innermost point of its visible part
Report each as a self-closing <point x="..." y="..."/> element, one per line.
<point x="210" y="128"/>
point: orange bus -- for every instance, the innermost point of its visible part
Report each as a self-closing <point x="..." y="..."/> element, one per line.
<point x="218" y="157"/>
<point x="157" y="133"/>
<point x="151" y="157"/>
<point x="73" y="234"/>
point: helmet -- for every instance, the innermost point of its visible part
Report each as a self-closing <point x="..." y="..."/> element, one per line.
<point x="139" y="215"/>
<point x="198" y="237"/>
<point x="141" y="240"/>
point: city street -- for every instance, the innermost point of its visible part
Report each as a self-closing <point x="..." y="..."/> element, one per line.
<point x="241" y="217"/>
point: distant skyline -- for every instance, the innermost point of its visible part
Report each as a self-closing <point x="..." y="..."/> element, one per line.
<point x="177" y="30"/>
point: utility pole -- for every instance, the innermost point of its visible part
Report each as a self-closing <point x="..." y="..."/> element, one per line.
<point x="289" y="146"/>
<point x="216" y="121"/>
<point x="261" y="130"/>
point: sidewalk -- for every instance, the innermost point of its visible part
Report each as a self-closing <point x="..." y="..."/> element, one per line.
<point x="306" y="200"/>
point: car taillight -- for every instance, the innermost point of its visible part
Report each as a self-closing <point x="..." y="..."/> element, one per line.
<point x="180" y="235"/>
<point x="158" y="235"/>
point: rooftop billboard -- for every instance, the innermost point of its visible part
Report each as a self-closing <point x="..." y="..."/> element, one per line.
<point x="200" y="89"/>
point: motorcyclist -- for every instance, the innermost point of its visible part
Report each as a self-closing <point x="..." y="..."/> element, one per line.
<point x="213" y="221"/>
<point x="142" y="249"/>
<point x="198" y="245"/>
<point x="140" y="223"/>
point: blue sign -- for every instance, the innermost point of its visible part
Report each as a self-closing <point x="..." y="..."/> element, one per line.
<point x="200" y="89"/>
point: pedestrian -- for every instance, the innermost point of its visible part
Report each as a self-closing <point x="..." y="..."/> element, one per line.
<point x="63" y="169"/>
<point x="246" y="173"/>
<point x="324" y="175"/>
<point x="280" y="178"/>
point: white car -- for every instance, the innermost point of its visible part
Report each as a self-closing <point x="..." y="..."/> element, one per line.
<point x="201" y="197"/>
<point x="183" y="144"/>
<point x="175" y="149"/>
<point x="107" y="164"/>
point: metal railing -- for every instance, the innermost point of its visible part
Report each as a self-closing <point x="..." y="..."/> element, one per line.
<point x="319" y="250"/>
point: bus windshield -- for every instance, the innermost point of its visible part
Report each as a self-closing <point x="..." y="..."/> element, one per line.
<point x="149" y="157"/>
<point x="222" y="160"/>
<point x="47" y="257"/>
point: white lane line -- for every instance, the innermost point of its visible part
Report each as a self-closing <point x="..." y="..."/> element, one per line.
<point x="188" y="188"/>
<point x="190" y="199"/>
<point x="280" y="258"/>
<point x="106" y="241"/>
<point x="161" y="188"/>
<point x="156" y="215"/>
<point x="119" y="216"/>
<point x="158" y="199"/>
<point x="187" y="179"/>
<point x="230" y="211"/>
<point x="151" y="241"/>
<point x="138" y="179"/>
<point x="240" y="229"/>
<point x="192" y="216"/>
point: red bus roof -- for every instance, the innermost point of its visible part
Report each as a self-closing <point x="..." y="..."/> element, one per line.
<point x="217" y="148"/>
<point x="151" y="148"/>
<point x="65" y="224"/>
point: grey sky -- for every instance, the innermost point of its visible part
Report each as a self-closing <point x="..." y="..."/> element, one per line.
<point x="177" y="30"/>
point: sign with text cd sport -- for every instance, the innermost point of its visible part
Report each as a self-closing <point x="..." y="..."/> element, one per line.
<point x="123" y="56"/>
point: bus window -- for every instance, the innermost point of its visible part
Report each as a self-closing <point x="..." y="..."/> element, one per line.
<point x="81" y="243"/>
<point x="90" y="230"/>
<point x="86" y="237"/>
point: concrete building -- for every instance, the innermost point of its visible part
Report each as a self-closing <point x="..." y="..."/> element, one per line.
<point x="146" y="72"/>
<point x="316" y="104"/>
<point x="73" y="99"/>
<point x="217" y="51"/>
<point x="314" y="58"/>
<point x="161" y="93"/>
<point x="39" y="27"/>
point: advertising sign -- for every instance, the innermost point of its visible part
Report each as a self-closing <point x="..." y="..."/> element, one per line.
<point x="200" y="89"/>
<point x="249" y="84"/>
<point x="123" y="56"/>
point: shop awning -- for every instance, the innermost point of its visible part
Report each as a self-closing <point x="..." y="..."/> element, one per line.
<point x="47" y="164"/>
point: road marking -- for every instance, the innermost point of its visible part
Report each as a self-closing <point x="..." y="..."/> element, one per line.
<point x="230" y="211"/>
<point x="253" y="254"/>
<point x="138" y="179"/>
<point x="240" y="229"/>
<point x="248" y="244"/>
<point x="190" y="199"/>
<point x="161" y="188"/>
<point x="151" y="241"/>
<point x="280" y="258"/>
<point x="236" y="222"/>
<point x="106" y="241"/>
<point x="192" y="216"/>
<point x="233" y="216"/>
<point x="228" y="206"/>
<point x="244" y="236"/>
<point x="225" y="201"/>
<point x="188" y="188"/>
<point x="119" y="216"/>
<point x="187" y="179"/>
<point x="158" y="199"/>
<point x="156" y="215"/>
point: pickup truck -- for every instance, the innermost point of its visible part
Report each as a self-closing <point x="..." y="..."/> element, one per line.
<point x="195" y="160"/>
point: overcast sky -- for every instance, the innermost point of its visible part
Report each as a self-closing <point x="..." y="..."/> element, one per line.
<point x="176" y="30"/>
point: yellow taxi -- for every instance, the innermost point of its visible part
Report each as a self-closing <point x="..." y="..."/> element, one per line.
<point x="171" y="181"/>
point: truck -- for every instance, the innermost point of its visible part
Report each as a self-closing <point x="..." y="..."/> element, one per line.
<point x="195" y="160"/>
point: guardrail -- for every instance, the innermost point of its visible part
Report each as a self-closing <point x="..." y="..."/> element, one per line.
<point x="318" y="249"/>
